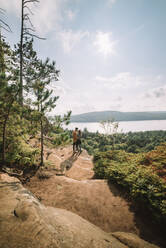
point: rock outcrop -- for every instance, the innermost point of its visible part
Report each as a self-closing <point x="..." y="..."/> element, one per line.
<point x="26" y="223"/>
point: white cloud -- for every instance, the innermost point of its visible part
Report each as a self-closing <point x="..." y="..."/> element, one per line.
<point x="75" y="100"/>
<point x="153" y="99"/>
<point x="47" y="15"/>
<point x="120" y="80"/>
<point x="159" y="92"/>
<point x="104" y="43"/>
<point x="69" y="39"/>
<point x="103" y="79"/>
<point x="106" y="97"/>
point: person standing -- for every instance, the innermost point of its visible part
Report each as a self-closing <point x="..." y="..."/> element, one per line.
<point x="78" y="142"/>
<point x="75" y="133"/>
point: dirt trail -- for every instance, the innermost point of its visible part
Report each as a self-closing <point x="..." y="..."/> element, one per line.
<point x="70" y="185"/>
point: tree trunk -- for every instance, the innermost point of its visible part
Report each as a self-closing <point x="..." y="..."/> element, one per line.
<point x="41" y="125"/>
<point x="4" y="142"/>
<point x="2" y="62"/>
<point x="4" y="136"/>
<point x="4" y="131"/>
<point x="21" y="56"/>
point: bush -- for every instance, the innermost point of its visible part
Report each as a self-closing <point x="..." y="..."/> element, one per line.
<point x="141" y="182"/>
<point x="22" y="153"/>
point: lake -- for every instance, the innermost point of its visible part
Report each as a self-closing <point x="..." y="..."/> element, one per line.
<point x="124" y="126"/>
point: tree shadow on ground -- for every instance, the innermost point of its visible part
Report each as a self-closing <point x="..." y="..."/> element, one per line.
<point x="68" y="163"/>
<point x="149" y="230"/>
<point x="23" y="173"/>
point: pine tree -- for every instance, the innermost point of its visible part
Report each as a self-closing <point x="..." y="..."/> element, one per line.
<point x="29" y="64"/>
<point x="8" y="89"/>
<point x="45" y="102"/>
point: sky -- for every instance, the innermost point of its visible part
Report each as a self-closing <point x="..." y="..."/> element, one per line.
<point x="111" y="53"/>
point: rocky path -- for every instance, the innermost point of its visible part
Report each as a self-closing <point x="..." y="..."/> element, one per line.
<point x="26" y="223"/>
<point x="69" y="185"/>
<point x="66" y="183"/>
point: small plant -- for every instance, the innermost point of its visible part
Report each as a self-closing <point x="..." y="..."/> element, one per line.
<point x="42" y="175"/>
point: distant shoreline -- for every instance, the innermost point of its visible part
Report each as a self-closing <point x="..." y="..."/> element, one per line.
<point x="124" y="126"/>
<point x="118" y="116"/>
<point x="118" y="120"/>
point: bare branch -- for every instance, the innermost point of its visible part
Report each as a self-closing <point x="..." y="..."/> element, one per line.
<point x="33" y="35"/>
<point x="29" y="10"/>
<point x="28" y="19"/>
<point x="7" y="28"/>
<point x="30" y="1"/>
<point x="26" y="16"/>
<point x="30" y="29"/>
<point x="2" y="11"/>
<point x="5" y="25"/>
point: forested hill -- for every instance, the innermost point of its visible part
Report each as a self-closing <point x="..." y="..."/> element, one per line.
<point x="119" y="116"/>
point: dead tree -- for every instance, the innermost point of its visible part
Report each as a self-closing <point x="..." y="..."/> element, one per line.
<point x="27" y="31"/>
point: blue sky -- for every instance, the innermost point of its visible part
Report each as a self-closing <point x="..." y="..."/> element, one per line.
<point x="111" y="53"/>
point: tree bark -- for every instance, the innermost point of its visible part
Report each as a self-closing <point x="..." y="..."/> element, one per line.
<point x="4" y="141"/>
<point x="41" y="125"/>
<point x="2" y="62"/>
<point x="4" y="136"/>
<point x="21" y="55"/>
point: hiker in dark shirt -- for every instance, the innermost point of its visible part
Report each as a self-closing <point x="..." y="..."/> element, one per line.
<point x="78" y="142"/>
<point x="75" y="133"/>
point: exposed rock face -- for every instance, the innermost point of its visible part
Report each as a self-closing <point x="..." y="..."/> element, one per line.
<point x="76" y="191"/>
<point x="91" y="199"/>
<point x="26" y="223"/>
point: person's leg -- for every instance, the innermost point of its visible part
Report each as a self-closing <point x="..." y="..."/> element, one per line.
<point x="77" y="144"/>
<point x="74" y="145"/>
<point x="80" y="147"/>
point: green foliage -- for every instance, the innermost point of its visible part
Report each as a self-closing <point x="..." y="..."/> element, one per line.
<point x="133" y="142"/>
<point x="22" y="70"/>
<point x="58" y="121"/>
<point x="62" y="139"/>
<point x="21" y="153"/>
<point x="140" y="180"/>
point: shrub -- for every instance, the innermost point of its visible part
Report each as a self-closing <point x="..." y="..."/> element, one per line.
<point x="140" y="181"/>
